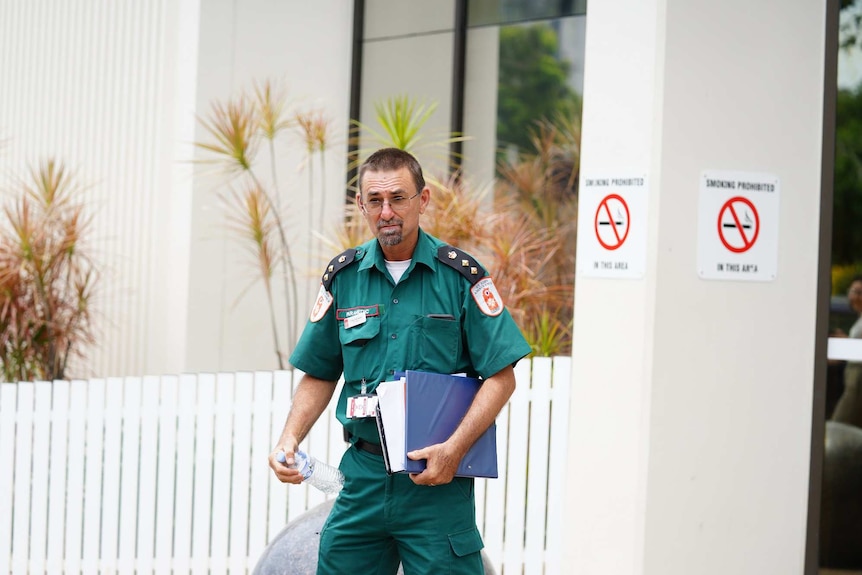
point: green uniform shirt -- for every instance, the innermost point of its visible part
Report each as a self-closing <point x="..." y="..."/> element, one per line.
<point x="429" y="321"/>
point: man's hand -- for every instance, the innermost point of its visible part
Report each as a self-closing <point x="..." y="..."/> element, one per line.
<point x="444" y="458"/>
<point x="309" y="400"/>
<point x="283" y="472"/>
<point x="442" y="463"/>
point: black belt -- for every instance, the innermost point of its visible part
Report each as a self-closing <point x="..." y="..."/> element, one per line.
<point x="363" y="445"/>
<point x="368" y="446"/>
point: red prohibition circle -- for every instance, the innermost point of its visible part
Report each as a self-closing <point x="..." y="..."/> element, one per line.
<point x="747" y="242"/>
<point x="603" y="206"/>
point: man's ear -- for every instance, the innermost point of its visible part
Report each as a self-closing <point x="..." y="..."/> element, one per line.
<point x="424" y="199"/>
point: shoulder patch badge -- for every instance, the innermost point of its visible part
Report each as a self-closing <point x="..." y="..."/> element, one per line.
<point x="487" y="297"/>
<point x="321" y="305"/>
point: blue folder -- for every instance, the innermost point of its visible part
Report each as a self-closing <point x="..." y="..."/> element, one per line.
<point x="435" y="404"/>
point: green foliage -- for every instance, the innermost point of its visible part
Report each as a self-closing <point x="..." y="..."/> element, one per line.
<point x="47" y="279"/>
<point x="539" y="185"/>
<point x="401" y="119"/>
<point x="548" y="335"/>
<point x="532" y="83"/>
<point x="399" y="124"/>
<point x="849" y="32"/>
<point x="842" y="277"/>
<point x="847" y="214"/>
<point x="523" y="230"/>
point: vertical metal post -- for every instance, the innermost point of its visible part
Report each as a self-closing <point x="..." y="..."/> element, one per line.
<point x="459" y="65"/>
<point x="827" y="173"/>
<point x="355" y="92"/>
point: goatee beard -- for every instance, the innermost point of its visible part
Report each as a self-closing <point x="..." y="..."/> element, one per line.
<point x="389" y="237"/>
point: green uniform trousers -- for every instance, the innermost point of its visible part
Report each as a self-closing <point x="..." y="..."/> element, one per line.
<point x="379" y="519"/>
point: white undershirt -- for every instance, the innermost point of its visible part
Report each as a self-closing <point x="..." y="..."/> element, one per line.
<point x="397" y="269"/>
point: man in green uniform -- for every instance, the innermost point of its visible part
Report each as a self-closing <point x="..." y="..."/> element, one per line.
<point x="404" y="300"/>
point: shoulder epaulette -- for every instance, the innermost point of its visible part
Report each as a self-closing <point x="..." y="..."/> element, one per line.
<point x="462" y="262"/>
<point x="338" y="263"/>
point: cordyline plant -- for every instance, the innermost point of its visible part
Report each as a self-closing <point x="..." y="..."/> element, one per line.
<point x="399" y="124"/>
<point x="237" y="129"/>
<point x="541" y="186"/>
<point x="523" y="229"/>
<point x="47" y="279"/>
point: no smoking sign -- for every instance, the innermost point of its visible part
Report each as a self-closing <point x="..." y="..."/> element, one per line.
<point x="738" y="226"/>
<point x="612" y="222"/>
<point x="612" y="214"/>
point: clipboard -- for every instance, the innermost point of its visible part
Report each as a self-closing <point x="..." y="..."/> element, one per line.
<point x="422" y="408"/>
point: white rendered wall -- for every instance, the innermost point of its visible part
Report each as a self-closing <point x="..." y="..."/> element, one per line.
<point x="408" y="51"/>
<point x="103" y="87"/>
<point x="113" y="89"/>
<point x="305" y="48"/>
<point x="480" y="104"/>
<point x="692" y="399"/>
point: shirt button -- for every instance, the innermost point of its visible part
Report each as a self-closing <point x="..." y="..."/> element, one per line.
<point x="395" y="300"/>
<point x="394" y="336"/>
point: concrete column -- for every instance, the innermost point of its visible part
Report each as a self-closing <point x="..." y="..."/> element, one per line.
<point x="693" y="385"/>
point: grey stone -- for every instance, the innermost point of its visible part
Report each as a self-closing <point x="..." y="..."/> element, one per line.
<point x="841" y="498"/>
<point x="294" y="550"/>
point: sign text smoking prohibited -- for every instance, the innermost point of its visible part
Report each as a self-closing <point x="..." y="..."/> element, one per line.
<point x="738" y="224"/>
<point x="737" y="236"/>
<point x="612" y="222"/>
<point x="612" y="214"/>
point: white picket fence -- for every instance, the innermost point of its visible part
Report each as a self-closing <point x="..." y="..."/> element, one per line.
<point x="169" y="474"/>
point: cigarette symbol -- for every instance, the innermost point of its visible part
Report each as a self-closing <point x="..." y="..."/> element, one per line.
<point x="618" y="221"/>
<point x="746" y="224"/>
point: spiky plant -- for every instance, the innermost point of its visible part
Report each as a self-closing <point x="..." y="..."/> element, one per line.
<point x="400" y="123"/>
<point x="547" y="334"/>
<point x="524" y="232"/>
<point x="458" y="213"/>
<point x="540" y="185"/>
<point x="234" y="126"/>
<point x="250" y="217"/>
<point x="313" y="128"/>
<point x="351" y="232"/>
<point x="401" y="119"/>
<point x="47" y="279"/>
<point x="236" y="129"/>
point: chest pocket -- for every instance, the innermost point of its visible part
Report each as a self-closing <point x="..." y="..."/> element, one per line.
<point x="437" y="344"/>
<point x="359" y="335"/>
<point x="358" y="346"/>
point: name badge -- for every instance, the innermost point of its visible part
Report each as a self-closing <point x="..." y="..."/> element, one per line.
<point x="360" y="406"/>
<point x="355" y="319"/>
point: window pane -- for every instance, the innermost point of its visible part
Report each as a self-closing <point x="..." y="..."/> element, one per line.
<point x="540" y="78"/>
<point x="497" y="12"/>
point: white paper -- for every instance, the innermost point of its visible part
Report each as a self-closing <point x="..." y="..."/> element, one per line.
<point x="390" y="402"/>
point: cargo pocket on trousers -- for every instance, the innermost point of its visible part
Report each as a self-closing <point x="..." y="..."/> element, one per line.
<point x="466" y="542"/>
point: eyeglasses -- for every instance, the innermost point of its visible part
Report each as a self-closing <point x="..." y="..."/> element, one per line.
<point x="397" y="203"/>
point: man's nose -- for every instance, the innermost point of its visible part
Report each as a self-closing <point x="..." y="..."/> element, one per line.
<point x="386" y="212"/>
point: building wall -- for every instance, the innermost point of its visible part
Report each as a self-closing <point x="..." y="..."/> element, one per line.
<point x="103" y="87"/>
<point x="408" y="51"/>
<point x="305" y="48"/>
<point x="113" y="90"/>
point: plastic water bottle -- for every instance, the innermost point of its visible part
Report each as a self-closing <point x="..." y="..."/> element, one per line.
<point x="316" y="473"/>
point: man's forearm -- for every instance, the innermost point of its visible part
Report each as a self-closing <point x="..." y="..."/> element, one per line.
<point x="492" y="396"/>
<point x="310" y="399"/>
